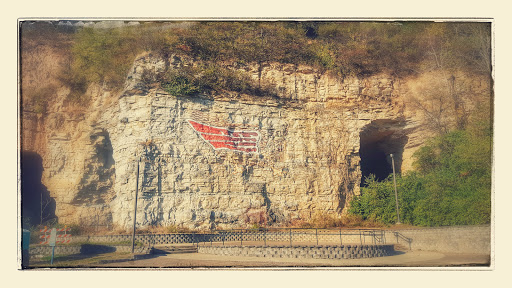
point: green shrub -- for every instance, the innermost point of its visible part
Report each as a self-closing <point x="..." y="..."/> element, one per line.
<point x="452" y="184"/>
<point x="210" y="78"/>
<point x="180" y="83"/>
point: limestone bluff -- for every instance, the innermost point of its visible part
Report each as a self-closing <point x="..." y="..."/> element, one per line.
<point x="308" y="160"/>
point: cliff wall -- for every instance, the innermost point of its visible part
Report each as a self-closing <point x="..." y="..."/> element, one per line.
<point x="305" y="155"/>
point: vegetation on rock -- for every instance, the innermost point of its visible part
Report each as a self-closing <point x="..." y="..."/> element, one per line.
<point x="451" y="184"/>
<point x="211" y="78"/>
<point x="341" y="48"/>
<point x="452" y="181"/>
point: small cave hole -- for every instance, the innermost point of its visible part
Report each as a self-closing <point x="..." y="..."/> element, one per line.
<point x="374" y="161"/>
<point x="378" y="140"/>
<point x="37" y="207"/>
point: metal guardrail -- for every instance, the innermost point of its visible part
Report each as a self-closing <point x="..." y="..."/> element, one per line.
<point x="294" y="236"/>
<point x="377" y="236"/>
<point x="399" y="235"/>
<point x="272" y="236"/>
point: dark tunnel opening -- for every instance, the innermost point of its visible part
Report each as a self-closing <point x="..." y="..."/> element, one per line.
<point x="378" y="140"/>
<point x="37" y="207"/>
<point x="374" y="161"/>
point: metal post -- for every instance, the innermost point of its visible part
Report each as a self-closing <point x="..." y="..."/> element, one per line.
<point x="53" y="254"/>
<point x="135" y="207"/>
<point x="223" y="236"/>
<point x="341" y="242"/>
<point x="360" y="239"/>
<point x="265" y="236"/>
<point x="396" y="194"/>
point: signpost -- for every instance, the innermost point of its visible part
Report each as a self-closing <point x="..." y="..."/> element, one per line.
<point x="53" y="239"/>
<point x="25" y="248"/>
<point x="135" y="207"/>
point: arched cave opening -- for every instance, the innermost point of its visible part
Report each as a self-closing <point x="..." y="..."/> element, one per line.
<point x="37" y="207"/>
<point x="378" y="140"/>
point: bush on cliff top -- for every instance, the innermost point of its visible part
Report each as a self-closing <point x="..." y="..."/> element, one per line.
<point x="340" y="48"/>
<point x="211" y="79"/>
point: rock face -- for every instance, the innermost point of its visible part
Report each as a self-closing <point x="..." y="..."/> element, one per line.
<point x="307" y="159"/>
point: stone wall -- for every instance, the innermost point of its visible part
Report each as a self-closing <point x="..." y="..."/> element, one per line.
<point x="85" y="249"/>
<point x="316" y="252"/>
<point x="59" y="250"/>
<point x="323" y="236"/>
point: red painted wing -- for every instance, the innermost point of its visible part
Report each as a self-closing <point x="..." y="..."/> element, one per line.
<point x="222" y="138"/>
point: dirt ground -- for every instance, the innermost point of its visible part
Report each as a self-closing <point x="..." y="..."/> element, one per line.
<point x="402" y="259"/>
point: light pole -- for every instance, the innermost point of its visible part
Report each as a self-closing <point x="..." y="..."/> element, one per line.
<point x="396" y="194"/>
<point x="135" y="207"/>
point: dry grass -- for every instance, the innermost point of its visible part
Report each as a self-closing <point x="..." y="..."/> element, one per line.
<point x="323" y="220"/>
<point x="159" y="229"/>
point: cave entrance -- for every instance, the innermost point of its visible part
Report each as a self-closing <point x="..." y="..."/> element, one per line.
<point x="378" y="140"/>
<point x="37" y="207"/>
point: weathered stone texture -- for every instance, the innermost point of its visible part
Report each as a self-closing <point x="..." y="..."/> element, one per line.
<point x="308" y="158"/>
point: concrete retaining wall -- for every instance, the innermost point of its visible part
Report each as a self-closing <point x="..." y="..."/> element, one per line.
<point x="85" y="249"/>
<point x="319" y="252"/>
<point x="59" y="250"/>
<point x="324" y="237"/>
<point x="463" y="239"/>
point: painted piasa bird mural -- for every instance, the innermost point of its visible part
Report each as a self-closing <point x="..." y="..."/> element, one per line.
<point x="223" y="138"/>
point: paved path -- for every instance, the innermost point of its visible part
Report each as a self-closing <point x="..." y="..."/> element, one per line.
<point x="404" y="259"/>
